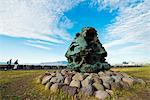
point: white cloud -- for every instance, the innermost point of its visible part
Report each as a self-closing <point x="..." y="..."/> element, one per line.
<point x="40" y="42"/>
<point x="130" y="30"/>
<point x="36" y="19"/>
<point x="37" y="46"/>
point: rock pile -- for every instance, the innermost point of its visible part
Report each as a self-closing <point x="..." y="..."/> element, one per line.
<point x="100" y="85"/>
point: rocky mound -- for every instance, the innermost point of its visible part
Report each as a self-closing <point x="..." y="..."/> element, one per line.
<point x="100" y="85"/>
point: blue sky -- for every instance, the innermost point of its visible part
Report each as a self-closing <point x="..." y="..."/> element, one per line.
<point x="36" y="31"/>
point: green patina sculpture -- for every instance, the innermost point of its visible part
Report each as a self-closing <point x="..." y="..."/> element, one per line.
<point x="86" y="53"/>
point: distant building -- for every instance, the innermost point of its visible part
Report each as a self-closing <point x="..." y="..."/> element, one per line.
<point x="130" y="63"/>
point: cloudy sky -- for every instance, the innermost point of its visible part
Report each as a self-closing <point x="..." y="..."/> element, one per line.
<point x="35" y="31"/>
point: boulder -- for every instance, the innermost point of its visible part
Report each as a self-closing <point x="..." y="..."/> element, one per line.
<point x="107" y="79"/>
<point x="64" y="71"/>
<point x="58" y="74"/>
<point x="106" y="85"/>
<point x="101" y="73"/>
<point x="67" y="80"/>
<point x="109" y="72"/>
<point x="111" y="92"/>
<point x="115" y="86"/>
<point x="69" y="75"/>
<point x="78" y="76"/>
<point x="128" y="80"/>
<point x="55" y="87"/>
<point x="117" y="78"/>
<point x="102" y="95"/>
<point x="53" y="74"/>
<point x="98" y="86"/>
<point x="48" y="85"/>
<point x="47" y="73"/>
<point x="97" y="80"/>
<point x="86" y="82"/>
<point x="125" y="75"/>
<point x="124" y="85"/>
<point x="140" y="81"/>
<point x="57" y="79"/>
<point x="75" y="83"/>
<point x="69" y="90"/>
<point x="87" y="90"/>
<point x="46" y="79"/>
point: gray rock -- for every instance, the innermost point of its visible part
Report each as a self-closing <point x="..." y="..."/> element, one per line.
<point x="55" y="87"/>
<point x="115" y="86"/>
<point x="107" y="79"/>
<point x="86" y="82"/>
<point x="69" y="75"/>
<point x="64" y="71"/>
<point x="57" y="79"/>
<point x="93" y="76"/>
<point x="128" y="80"/>
<point x="140" y="81"/>
<point x="101" y="73"/>
<point x="111" y="92"/>
<point x="47" y="73"/>
<point x="75" y="83"/>
<point x="58" y="74"/>
<point x="67" y="80"/>
<point x="53" y="74"/>
<point x="87" y="90"/>
<point x="78" y="76"/>
<point x="109" y="73"/>
<point x="124" y="85"/>
<point x="106" y="85"/>
<point x="117" y="78"/>
<point x="118" y="74"/>
<point x="48" y="85"/>
<point x="69" y="90"/>
<point x="98" y="86"/>
<point x="89" y="77"/>
<point x="97" y="80"/>
<point x="102" y="95"/>
<point x="46" y="79"/>
<point x="87" y="74"/>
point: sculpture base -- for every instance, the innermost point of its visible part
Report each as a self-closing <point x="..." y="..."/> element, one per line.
<point x="100" y="85"/>
<point x="89" y="68"/>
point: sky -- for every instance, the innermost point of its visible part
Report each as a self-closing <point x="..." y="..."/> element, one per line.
<point x="35" y="31"/>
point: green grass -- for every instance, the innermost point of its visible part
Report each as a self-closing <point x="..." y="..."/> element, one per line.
<point x="138" y="91"/>
<point x="138" y="72"/>
<point x="20" y="85"/>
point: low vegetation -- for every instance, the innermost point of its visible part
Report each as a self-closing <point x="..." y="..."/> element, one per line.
<point x="20" y="85"/>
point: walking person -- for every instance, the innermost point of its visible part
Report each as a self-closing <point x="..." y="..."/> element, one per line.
<point x="15" y="64"/>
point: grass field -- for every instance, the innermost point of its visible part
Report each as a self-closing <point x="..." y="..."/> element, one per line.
<point x="20" y="85"/>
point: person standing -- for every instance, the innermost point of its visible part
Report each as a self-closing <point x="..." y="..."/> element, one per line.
<point x="9" y="64"/>
<point x="16" y="64"/>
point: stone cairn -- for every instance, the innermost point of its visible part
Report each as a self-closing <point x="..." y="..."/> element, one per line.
<point x="87" y="73"/>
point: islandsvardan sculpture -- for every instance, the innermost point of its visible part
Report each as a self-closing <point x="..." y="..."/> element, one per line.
<point x="86" y="54"/>
<point x="86" y="59"/>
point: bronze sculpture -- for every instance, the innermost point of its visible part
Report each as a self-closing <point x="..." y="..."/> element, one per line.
<point x="86" y="53"/>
